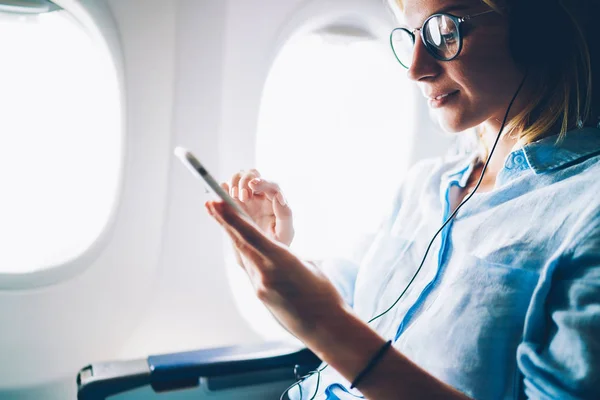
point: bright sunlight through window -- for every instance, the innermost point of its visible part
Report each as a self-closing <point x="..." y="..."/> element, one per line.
<point x="335" y="131"/>
<point x="60" y="140"/>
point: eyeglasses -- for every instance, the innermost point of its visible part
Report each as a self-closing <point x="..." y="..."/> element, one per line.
<point x="441" y="35"/>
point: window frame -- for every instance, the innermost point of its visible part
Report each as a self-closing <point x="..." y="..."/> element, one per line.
<point x="102" y="29"/>
<point x="365" y="15"/>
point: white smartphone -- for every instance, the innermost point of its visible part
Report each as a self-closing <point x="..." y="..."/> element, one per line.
<point x="192" y="163"/>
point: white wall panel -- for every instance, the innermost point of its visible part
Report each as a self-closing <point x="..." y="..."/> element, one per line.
<point x="191" y="306"/>
<point x="49" y="332"/>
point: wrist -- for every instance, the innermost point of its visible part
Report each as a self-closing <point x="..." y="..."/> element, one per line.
<point x="345" y="342"/>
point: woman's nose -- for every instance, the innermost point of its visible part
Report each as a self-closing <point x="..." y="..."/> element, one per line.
<point x="423" y="65"/>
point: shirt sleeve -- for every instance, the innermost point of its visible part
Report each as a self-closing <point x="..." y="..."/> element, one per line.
<point x="342" y="272"/>
<point x="560" y="353"/>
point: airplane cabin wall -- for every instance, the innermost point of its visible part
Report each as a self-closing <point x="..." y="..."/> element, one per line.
<point x="52" y="329"/>
<point x="192" y="73"/>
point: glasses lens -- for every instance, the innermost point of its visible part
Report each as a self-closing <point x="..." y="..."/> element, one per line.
<point x="402" y="44"/>
<point x="441" y="36"/>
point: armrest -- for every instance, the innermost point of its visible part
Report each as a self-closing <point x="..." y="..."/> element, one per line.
<point x="183" y="370"/>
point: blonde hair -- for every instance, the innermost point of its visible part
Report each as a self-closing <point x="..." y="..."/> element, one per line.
<point x="563" y="90"/>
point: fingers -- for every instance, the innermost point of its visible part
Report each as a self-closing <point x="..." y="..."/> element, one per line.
<point x="226" y="188"/>
<point x="233" y="184"/>
<point x="238" y="184"/>
<point x="238" y="259"/>
<point x="243" y="232"/>
<point x="268" y="188"/>
<point x="244" y="191"/>
<point x="284" y="225"/>
<point x="242" y="247"/>
<point x="245" y="184"/>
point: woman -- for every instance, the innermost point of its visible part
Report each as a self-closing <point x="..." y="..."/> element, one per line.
<point x="506" y="303"/>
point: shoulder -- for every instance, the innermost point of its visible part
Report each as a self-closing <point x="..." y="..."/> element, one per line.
<point x="431" y="170"/>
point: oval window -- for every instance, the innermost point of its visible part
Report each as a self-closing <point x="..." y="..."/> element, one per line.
<point x="60" y="140"/>
<point x="335" y="131"/>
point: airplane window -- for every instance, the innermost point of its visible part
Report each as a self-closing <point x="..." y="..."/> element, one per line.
<point x="335" y="130"/>
<point x="60" y="140"/>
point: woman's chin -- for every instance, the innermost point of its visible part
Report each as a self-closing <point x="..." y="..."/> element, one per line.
<point x="452" y="125"/>
<point x="452" y="122"/>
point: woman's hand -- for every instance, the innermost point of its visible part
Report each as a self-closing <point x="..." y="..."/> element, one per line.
<point x="306" y="304"/>
<point x="264" y="203"/>
<point x="295" y="292"/>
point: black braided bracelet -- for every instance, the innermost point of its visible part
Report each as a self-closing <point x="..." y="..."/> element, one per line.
<point x="371" y="364"/>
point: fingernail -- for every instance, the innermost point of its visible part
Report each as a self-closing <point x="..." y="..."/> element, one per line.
<point x="281" y="199"/>
<point x="255" y="181"/>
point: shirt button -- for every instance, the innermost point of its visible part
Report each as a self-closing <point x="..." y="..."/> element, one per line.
<point x="515" y="161"/>
<point x="519" y="159"/>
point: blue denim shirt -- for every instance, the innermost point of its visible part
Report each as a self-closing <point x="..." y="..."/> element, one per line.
<point x="507" y="303"/>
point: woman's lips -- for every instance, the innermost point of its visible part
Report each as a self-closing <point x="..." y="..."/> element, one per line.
<point x="440" y="100"/>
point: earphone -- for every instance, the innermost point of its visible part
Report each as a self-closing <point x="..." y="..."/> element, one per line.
<point x="318" y="371"/>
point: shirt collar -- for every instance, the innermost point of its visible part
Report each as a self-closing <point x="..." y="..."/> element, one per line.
<point x="547" y="155"/>
<point x="541" y="156"/>
<point x="462" y="170"/>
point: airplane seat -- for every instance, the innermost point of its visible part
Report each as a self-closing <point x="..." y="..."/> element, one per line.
<point x="218" y="373"/>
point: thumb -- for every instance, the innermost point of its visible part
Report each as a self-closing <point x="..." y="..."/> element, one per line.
<point x="284" y="226"/>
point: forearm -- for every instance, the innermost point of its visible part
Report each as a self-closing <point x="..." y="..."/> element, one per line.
<point x="348" y="344"/>
<point x="341" y="273"/>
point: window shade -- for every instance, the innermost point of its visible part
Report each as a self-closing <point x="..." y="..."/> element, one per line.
<point x="27" y="6"/>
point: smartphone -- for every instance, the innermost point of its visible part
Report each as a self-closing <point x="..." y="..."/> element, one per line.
<point x="195" y="167"/>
